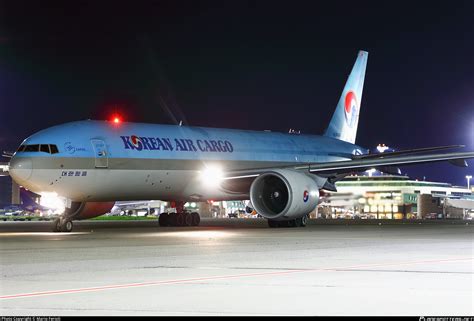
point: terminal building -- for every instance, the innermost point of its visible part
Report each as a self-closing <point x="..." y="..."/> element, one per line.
<point x="395" y="197"/>
<point x="380" y="197"/>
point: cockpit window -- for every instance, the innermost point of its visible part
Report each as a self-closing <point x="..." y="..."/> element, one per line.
<point x="32" y="148"/>
<point x="45" y="148"/>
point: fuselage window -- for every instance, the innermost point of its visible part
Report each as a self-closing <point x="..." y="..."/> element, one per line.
<point x="54" y="149"/>
<point x="31" y="148"/>
<point x="21" y="148"/>
<point x="44" y="148"/>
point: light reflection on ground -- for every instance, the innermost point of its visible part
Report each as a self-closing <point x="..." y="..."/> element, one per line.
<point x="206" y="234"/>
<point x="41" y="233"/>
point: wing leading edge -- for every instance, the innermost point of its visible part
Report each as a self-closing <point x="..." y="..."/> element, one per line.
<point x="406" y="152"/>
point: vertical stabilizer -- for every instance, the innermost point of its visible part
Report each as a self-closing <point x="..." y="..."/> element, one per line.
<point x="344" y="121"/>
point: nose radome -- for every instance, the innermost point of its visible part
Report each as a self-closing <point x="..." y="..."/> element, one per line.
<point x="20" y="168"/>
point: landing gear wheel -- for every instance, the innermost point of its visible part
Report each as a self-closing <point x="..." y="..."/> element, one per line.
<point x="163" y="219"/>
<point x="179" y="219"/>
<point x="196" y="219"/>
<point x="299" y="222"/>
<point x="273" y="223"/>
<point x="291" y="223"/>
<point x="304" y="221"/>
<point x="282" y="223"/>
<point x="56" y="225"/>
<point x="172" y="219"/>
<point x="188" y="219"/>
<point x="66" y="226"/>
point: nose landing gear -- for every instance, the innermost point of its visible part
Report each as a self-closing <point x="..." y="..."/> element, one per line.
<point x="62" y="224"/>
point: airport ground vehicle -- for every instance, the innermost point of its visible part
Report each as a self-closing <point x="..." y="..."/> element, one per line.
<point x="434" y="216"/>
<point x="233" y="215"/>
<point x="237" y="214"/>
<point x="13" y="210"/>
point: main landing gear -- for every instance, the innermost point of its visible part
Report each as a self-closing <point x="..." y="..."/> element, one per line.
<point x="297" y="222"/>
<point x="180" y="218"/>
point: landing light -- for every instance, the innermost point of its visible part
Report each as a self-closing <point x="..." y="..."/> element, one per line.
<point x="56" y="203"/>
<point x="211" y="176"/>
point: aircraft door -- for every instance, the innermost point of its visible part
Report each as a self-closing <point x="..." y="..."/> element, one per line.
<point x="100" y="153"/>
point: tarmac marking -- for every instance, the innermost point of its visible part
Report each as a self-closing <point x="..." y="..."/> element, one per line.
<point x="130" y="285"/>
<point x="190" y="280"/>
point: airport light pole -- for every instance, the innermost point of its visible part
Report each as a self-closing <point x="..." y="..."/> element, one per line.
<point x="468" y="178"/>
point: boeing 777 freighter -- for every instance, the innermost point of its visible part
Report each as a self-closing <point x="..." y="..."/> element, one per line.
<point x="95" y="163"/>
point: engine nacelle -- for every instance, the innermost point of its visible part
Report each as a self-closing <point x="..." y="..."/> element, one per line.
<point x="284" y="194"/>
<point x="85" y="210"/>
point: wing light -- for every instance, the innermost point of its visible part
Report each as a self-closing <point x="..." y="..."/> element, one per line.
<point x="211" y="176"/>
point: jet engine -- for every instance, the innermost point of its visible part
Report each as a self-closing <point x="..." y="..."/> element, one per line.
<point x="85" y="210"/>
<point x="284" y="194"/>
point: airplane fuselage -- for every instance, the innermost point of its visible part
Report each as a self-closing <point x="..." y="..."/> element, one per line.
<point x="105" y="161"/>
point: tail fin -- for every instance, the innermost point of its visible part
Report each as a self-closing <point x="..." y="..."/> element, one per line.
<point x="344" y="121"/>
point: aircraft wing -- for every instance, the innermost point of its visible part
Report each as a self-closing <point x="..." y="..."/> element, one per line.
<point x="359" y="165"/>
<point x="406" y="152"/>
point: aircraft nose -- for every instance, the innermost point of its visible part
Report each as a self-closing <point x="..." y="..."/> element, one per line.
<point x="20" y="168"/>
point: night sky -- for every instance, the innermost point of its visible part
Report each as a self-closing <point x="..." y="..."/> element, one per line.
<point x="249" y="65"/>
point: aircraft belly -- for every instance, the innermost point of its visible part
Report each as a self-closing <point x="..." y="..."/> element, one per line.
<point x="133" y="179"/>
<point x="157" y="184"/>
<point x="114" y="185"/>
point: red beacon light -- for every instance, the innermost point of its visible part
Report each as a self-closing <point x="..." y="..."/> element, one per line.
<point x="116" y="120"/>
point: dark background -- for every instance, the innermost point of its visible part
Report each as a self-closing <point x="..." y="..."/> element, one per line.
<point x="243" y="64"/>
